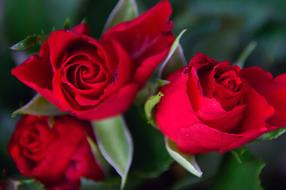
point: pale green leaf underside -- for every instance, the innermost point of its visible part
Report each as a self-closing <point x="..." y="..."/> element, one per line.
<point x="28" y="42"/>
<point x="273" y="134"/>
<point x="236" y="175"/>
<point x="38" y="106"/>
<point x="186" y="161"/>
<point x="115" y="144"/>
<point x="245" y="54"/>
<point x="123" y="11"/>
<point x="175" y="45"/>
<point x="96" y="153"/>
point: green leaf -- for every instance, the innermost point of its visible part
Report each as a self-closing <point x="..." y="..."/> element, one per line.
<point x="174" y="47"/>
<point x="87" y="184"/>
<point x="26" y="184"/>
<point x="123" y="11"/>
<point x="274" y="134"/>
<point x="67" y="23"/>
<point x="245" y="54"/>
<point x="238" y="153"/>
<point x="28" y="42"/>
<point x="176" y="62"/>
<point x="162" y="82"/>
<point x="115" y="144"/>
<point x="96" y="152"/>
<point x="186" y="161"/>
<point x="150" y="156"/>
<point x="38" y="106"/>
<point x="30" y="184"/>
<point x="209" y="164"/>
<point x="150" y="104"/>
<point x="236" y="176"/>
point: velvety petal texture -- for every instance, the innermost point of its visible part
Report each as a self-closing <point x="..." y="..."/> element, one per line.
<point x="147" y="38"/>
<point x="56" y="152"/>
<point x="214" y="106"/>
<point x="272" y="88"/>
<point x="95" y="79"/>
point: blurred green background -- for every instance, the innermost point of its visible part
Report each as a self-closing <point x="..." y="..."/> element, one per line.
<point x="221" y="29"/>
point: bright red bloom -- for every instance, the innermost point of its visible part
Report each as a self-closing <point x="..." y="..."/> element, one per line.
<point x="95" y="79"/>
<point x="56" y="154"/>
<point x="214" y="106"/>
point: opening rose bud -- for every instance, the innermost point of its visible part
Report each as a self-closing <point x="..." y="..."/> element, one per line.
<point x="95" y="79"/>
<point x="215" y="106"/>
<point x="57" y="154"/>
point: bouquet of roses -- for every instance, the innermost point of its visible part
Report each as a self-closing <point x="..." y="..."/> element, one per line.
<point x="114" y="111"/>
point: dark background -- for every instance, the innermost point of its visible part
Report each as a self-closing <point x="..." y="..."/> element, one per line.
<point x="221" y="29"/>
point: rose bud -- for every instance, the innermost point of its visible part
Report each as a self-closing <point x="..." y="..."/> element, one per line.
<point x="215" y="106"/>
<point x="55" y="153"/>
<point x="95" y="79"/>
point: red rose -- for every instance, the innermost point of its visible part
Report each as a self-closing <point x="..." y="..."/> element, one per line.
<point x="57" y="155"/>
<point x="94" y="79"/>
<point x="214" y="106"/>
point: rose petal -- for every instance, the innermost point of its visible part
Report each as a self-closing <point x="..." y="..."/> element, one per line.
<point x="83" y="164"/>
<point x="70" y="143"/>
<point x="201" y="60"/>
<point x="135" y="35"/>
<point x="70" y="41"/>
<point x="183" y="126"/>
<point x="37" y="73"/>
<point x="145" y="37"/>
<point x="59" y="41"/>
<point x="75" y="79"/>
<point x="222" y="120"/>
<point x="119" y="102"/>
<point x="175" y="97"/>
<point x="124" y="66"/>
<point x="76" y="159"/>
<point x="257" y="112"/>
<point x="199" y="138"/>
<point x="81" y="29"/>
<point x="148" y="66"/>
<point x="273" y="89"/>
